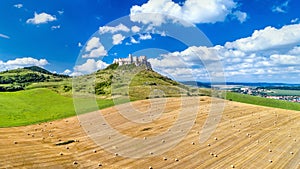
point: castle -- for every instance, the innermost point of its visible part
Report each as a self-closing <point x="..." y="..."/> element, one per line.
<point x="138" y="61"/>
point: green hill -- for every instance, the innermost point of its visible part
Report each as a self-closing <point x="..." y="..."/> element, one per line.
<point x="256" y="100"/>
<point x="45" y="96"/>
<point x="131" y="81"/>
<point x="19" y="79"/>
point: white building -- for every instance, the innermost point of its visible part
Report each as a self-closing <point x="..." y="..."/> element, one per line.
<point x="138" y="61"/>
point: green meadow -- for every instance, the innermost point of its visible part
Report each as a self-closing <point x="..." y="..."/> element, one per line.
<point x="37" y="105"/>
<point x="262" y="101"/>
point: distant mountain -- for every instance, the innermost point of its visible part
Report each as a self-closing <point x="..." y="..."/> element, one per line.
<point x="198" y="84"/>
<point x="258" y="84"/>
<point x="18" y="79"/>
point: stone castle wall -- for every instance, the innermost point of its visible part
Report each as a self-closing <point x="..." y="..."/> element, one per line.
<point x="138" y="61"/>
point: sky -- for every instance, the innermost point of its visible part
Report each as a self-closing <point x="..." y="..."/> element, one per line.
<point x="242" y="40"/>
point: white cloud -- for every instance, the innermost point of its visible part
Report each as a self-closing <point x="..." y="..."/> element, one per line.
<point x="282" y="8"/>
<point x="145" y="36"/>
<point x="55" y="27"/>
<point x="295" y="20"/>
<point x="94" y="42"/>
<point x="4" y="36"/>
<point x="41" y="18"/>
<point x="95" y="53"/>
<point x="22" y="62"/>
<point x="18" y="6"/>
<point x="190" y="57"/>
<point x="241" y="16"/>
<point x="89" y="66"/>
<point x="135" y="29"/>
<point x="94" y="48"/>
<point x="193" y="11"/>
<point x="295" y="51"/>
<point x="285" y="59"/>
<point x="118" y="38"/>
<point x="132" y="40"/>
<point x="111" y="29"/>
<point x="268" y="38"/>
<point x="239" y="64"/>
<point x="79" y="44"/>
<point x="67" y="72"/>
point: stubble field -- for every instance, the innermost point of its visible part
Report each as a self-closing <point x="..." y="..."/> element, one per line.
<point x="247" y="136"/>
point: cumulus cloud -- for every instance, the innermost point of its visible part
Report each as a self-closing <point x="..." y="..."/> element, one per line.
<point x="93" y="43"/>
<point x="118" y="38"/>
<point x="191" y="57"/>
<point x="41" y="18"/>
<point x="145" y="36"/>
<point x="135" y="29"/>
<point x="241" y="16"/>
<point x="239" y="63"/>
<point x="193" y="11"/>
<point x="295" y="51"/>
<point x="111" y="29"/>
<point x="285" y="59"/>
<point x="94" y="49"/>
<point x="18" y="6"/>
<point x="4" y="36"/>
<point x="22" y="62"/>
<point x="89" y="66"/>
<point x="67" y="72"/>
<point x="268" y="38"/>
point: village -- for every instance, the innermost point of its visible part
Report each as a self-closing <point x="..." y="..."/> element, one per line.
<point x="287" y="95"/>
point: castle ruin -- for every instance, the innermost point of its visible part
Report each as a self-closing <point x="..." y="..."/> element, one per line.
<point x="138" y="61"/>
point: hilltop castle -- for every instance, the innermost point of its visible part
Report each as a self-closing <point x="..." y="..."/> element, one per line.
<point x="138" y="61"/>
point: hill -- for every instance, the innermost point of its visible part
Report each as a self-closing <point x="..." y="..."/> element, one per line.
<point x="47" y="96"/>
<point x="19" y="79"/>
<point x="135" y="82"/>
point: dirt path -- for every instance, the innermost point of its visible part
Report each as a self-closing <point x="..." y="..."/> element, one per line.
<point x="247" y="136"/>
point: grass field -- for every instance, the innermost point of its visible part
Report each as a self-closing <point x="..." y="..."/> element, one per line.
<point x="262" y="101"/>
<point x="37" y="105"/>
<point x="277" y="92"/>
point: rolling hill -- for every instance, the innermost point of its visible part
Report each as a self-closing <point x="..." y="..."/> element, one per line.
<point x="45" y="96"/>
<point x="19" y="79"/>
<point x="135" y="82"/>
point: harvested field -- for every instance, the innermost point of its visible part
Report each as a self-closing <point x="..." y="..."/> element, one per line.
<point x="247" y="136"/>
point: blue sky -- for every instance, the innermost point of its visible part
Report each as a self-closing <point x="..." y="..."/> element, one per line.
<point x="255" y="41"/>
